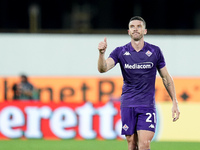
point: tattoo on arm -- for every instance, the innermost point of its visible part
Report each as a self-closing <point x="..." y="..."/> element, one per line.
<point x="167" y="85"/>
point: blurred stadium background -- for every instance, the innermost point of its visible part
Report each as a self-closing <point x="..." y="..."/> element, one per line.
<point x="74" y="107"/>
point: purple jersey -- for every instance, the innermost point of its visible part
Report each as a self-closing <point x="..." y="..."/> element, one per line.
<point x="139" y="73"/>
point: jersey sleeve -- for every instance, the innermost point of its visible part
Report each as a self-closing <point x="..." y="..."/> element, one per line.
<point x="115" y="55"/>
<point x="161" y="60"/>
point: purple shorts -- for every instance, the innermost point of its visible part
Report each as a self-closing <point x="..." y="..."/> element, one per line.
<point x="137" y="118"/>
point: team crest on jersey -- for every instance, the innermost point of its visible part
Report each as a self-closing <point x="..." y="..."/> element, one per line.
<point x="148" y="53"/>
<point x="125" y="127"/>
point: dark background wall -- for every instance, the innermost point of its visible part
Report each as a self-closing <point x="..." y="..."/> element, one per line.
<point x="99" y="14"/>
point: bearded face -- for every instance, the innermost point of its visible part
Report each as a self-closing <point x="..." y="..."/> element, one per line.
<point x="136" y="36"/>
<point x="136" y="30"/>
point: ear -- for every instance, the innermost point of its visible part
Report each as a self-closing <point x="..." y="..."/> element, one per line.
<point x="145" y="31"/>
<point x="128" y="32"/>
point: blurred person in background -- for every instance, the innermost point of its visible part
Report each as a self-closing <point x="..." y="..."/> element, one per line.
<point x="24" y="90"/>
<point x="139" y="62"/>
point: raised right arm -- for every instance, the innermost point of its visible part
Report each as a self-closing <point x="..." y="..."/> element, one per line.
<point x="104" y="64"/>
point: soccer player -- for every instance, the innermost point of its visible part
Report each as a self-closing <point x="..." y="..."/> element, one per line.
<point x="139" y="62"/>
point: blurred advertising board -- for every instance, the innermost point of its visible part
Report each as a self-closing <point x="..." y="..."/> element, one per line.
<point x="90" y="121"/>
<point x="89" y="108"/>
<point x="59" y="121"/>
<point x="95" y="89"/>
<point x="185" y="129"/>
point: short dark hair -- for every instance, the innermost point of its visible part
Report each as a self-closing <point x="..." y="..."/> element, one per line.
<point x="24" y="77"/>
<point x="137" y="18"/>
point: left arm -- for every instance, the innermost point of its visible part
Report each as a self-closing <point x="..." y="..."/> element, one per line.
<point x="169" y="85"/>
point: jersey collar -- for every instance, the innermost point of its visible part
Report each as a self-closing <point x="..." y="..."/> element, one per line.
<point x="132" y="49"/>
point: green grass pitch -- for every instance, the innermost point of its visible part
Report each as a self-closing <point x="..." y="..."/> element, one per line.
<point x="35" y="144"/>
